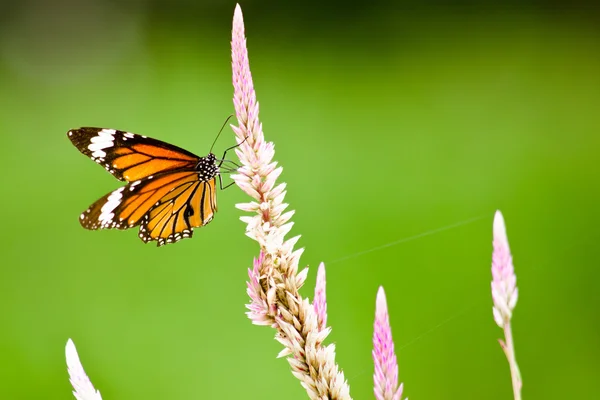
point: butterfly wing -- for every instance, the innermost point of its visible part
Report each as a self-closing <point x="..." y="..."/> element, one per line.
<point x="130" y="157"/>
<point x="167" y="206"/>
<point x="176" y="215"/>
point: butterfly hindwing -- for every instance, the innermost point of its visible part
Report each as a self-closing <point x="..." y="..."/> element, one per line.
<point x="176" y="215"/>
<point x="167" y="206"/>
<point x="130" y="157"/>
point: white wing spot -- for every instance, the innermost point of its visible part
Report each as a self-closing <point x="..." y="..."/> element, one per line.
<point x="112" y="202"/>
<point x="133" y="185"/>
<point x="104" y="140"/>
<point x="128" y="135"/>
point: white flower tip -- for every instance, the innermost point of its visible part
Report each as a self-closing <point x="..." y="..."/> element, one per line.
<point x="381" y="303"/>
<point x="500" y="228"/>
<point x="301" y="277"/>
<point x="237" y="14"/>
<point x="321" y="272"/>
<point x="83" y="388"/>
<point x="71" y="355"/>
<point x="284" y="353"/>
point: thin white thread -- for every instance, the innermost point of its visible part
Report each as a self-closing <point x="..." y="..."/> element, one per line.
<point x="404" y="240"/>
<point x="408" y="239"/>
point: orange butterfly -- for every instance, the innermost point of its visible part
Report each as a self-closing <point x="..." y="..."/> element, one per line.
<point x="169" y="190"/>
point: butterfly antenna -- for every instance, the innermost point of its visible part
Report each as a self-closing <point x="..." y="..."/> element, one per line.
<point x="219" y="134"/>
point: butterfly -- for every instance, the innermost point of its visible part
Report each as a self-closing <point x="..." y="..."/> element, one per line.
<point x="169" y="190"/>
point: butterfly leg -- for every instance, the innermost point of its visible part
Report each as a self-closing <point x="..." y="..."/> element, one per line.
<point x="221" y="183"/>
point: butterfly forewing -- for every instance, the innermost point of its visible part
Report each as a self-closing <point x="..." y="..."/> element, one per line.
<point x="130" y="157"/>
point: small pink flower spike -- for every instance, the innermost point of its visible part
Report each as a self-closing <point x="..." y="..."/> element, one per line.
<point x="504" y="282"/>
<point x="504" y="296"/>
<point x="84" y="390"/>
<point x="386" y="366"/>
<point x="320" y="300"/>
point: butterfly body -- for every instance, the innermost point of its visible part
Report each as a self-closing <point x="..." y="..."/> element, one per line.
<point x="169" y="190"/>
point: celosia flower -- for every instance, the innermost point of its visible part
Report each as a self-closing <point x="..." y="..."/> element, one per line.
<point x="504" y="295"/>
<point x="386" y="366"/>
<point x="320" y="300"/>
<point x="504" y="280"/>
<point x="274" y="279"/>
<point x="84" y="390"/>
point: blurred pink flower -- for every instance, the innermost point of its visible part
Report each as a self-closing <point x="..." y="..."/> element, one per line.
<point x="84" y="390"/>
<point x="386" y="366"/>
<point x="504" y="296"/>
<point x="504" y="280"/>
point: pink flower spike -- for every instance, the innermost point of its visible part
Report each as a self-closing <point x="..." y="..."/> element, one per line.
<point x="504" y="296"/>
<point x="320" y="300"/>
<point x="504" y="280"/>
<point x="274" y="281"/>
<point x="386" y="366"/>
<point x="84" y="390"/>
<point x="245" y="103"/>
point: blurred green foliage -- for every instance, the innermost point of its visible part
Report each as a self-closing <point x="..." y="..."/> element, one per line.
<point x="392" y="126"/>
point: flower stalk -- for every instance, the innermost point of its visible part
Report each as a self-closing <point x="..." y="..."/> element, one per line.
<point x="274" y="280"/>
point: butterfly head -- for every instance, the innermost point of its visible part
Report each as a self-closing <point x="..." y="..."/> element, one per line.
<point x="207" y="167"/>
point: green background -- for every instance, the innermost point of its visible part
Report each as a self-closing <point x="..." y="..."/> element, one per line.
<point x="390" y="121"/>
